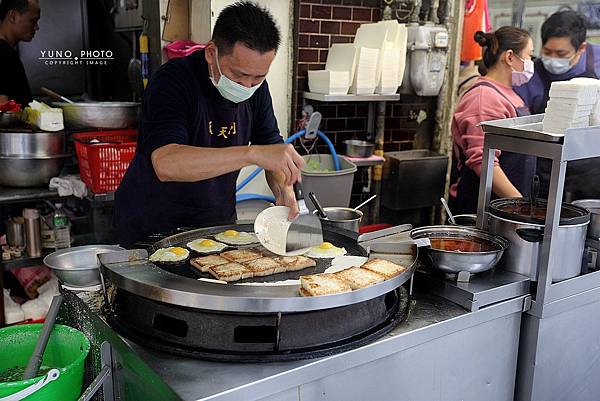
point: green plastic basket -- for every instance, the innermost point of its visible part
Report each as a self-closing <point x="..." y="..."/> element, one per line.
<point x="66" y="350"/>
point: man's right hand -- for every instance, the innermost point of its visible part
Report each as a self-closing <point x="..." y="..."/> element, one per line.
<point x="280" y="157"/>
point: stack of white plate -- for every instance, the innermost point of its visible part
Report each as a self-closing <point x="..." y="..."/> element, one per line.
<point x="570" y="105"/>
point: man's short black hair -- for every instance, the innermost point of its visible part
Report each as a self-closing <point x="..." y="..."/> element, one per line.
<point x="246" y="22"/>
<point x="563" y="24"/>
<point x="7" y="5"/>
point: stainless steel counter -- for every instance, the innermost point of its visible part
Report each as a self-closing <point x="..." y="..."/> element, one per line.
<point x="435" y="327"/>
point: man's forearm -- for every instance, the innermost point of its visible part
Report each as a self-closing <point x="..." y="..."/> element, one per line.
<point x="183" y="163"/>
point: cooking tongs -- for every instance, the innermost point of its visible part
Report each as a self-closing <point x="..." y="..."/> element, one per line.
<point x="391" y="240"/>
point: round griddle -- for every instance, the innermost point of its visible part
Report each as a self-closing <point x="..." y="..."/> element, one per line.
<point x="178" y="284"/>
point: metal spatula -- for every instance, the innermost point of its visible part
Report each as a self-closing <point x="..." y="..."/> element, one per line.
<point x="304" y="232"/>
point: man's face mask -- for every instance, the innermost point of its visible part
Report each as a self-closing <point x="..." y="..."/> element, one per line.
<point x="230" y="89"/>
<point x="557" y="66"/>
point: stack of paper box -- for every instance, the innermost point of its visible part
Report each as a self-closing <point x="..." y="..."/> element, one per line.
<point x="338" y="73"/>
<point x="370" y="40"/>
<point x="328" y="82"/>
<point x="570" y="105"/>
<point x="393" y="60"/>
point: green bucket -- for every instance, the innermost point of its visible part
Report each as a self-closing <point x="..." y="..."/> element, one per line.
<point x="66" y="350"/>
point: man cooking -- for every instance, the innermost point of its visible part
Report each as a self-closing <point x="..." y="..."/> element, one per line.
<point x="565" y="55"/>
<point x="199" y="114"/>
<point x="18" y="23"/>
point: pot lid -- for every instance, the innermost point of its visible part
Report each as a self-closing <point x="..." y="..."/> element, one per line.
<point x="519" y="209"/>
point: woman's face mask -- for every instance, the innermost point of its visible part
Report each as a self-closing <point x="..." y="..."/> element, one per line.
<point x="230" y="89"/>
<point x="522" y="77"/>
<point x="557" y="66"/>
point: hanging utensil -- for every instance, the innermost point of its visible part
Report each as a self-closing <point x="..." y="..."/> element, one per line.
<point x="533" y="196"/>
<point x="320" y="211"/>
<point x="33" y="366"/>
<point x="448" y="212"/>
<point x="55" y="95"/>
<point x="365" y="202"/>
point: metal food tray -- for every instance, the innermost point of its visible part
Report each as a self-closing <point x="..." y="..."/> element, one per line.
<point x="146" y="279"/>
<point x="527" y="127"/>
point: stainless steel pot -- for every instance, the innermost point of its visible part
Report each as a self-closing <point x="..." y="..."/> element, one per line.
<point x="78" y="266"/>
<point x="9" y="118"/>
<point x="32" y="144"/>
<point x="525" y="234"/>
<point x="355" y="148"/>
<point x="593" y="206"/>
<point x="93" y="115"/>
<point x="15" y="232"/>
<point x="29" y="172"/>
<point x="342" y="217"/>
<point x="455" y="261"/>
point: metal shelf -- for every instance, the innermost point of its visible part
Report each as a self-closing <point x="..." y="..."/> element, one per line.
<point x="16" y="195"/>
<point x="24" y="261"/>
<point x="525" y="135"/>
<point x="350" y="98"/>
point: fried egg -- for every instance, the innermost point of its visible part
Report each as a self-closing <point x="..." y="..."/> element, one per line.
<point x="205" y="245"/>
<point x="233" y="237"/>
<point x="325" y="250"/>
<point x="170" y="254"/>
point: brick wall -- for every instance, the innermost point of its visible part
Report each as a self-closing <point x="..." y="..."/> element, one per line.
<point x="320" y="23"/>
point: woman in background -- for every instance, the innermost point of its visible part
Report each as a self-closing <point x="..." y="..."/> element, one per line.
<point x="507" y="58"/>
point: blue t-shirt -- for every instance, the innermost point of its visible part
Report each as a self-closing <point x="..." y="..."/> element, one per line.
<point x="182" y="106"/>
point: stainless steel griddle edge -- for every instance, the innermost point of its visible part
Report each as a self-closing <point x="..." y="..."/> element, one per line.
<point x="145" y="279"/>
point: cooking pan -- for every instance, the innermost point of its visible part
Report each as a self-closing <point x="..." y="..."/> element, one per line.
<point x="95" y="115"/>
<point x="178" y="283"/>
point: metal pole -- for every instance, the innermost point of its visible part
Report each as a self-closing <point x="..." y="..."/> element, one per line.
<point x="378" y="170"/>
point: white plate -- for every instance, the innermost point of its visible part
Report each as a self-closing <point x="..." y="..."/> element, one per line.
<point x="271" y="228"/>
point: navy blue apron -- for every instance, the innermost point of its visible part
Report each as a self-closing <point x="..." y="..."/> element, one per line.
<point x="581" y="180"/>
<point x="519" y="169"/>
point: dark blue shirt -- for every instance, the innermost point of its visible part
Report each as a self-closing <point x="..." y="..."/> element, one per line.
<point x="182" y="106"/>
<point x="533" y="92"/>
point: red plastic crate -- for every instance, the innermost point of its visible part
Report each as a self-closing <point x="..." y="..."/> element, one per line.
<point x="103" y="165"/>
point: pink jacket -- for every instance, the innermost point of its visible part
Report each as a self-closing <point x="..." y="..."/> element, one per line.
<point x="477" y="105"/>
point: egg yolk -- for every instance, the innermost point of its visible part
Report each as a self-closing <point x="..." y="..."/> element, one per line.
<point x="230" y="233"/>
<point x="326" y="245"/>
<point x="207" y="242"/>
<point x="178" y="251"/>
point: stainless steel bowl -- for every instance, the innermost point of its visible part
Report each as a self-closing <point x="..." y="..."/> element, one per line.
<point x="29" y="172"/>
<point x="355" y="148"/>
<point x="108" y="115"/>
<point x="453" y="262"/>
<point x="78" y="266"/>
<point x="342" y="217"/>
<point x="593" y="206"/>
<point x="32" y="144"/>
<point x="9" y="118"/>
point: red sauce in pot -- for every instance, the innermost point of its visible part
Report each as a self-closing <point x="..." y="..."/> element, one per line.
<point x="462" y="245"/>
